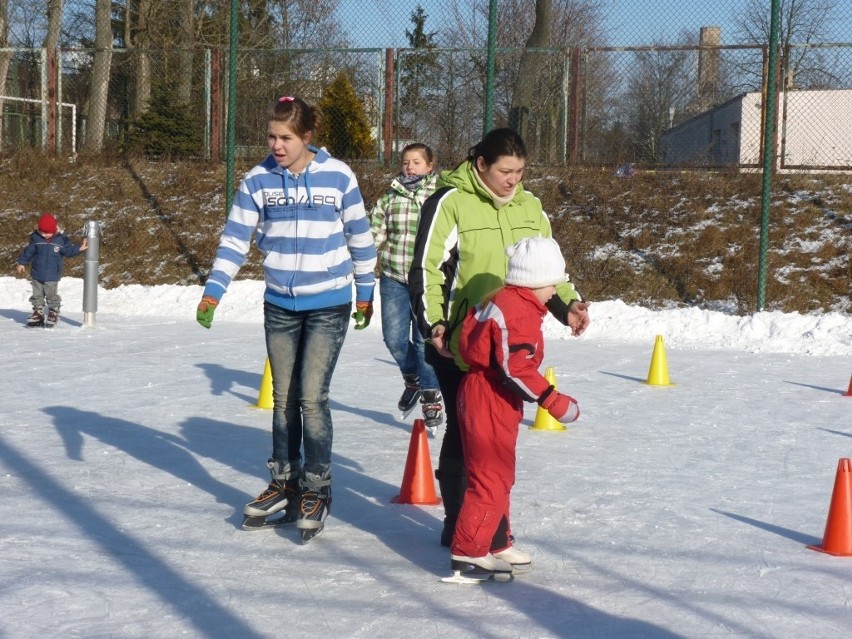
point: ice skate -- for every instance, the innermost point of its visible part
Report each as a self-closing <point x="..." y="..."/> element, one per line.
<point x="278" y="504"/>
<point x="520" y="561"/>
<point x="410" y="396"/>
<point x="475" y="570"/>
<point x="36" y="319"/>
<point x="433" y="411"/>
<point x="282" y="502"/>
<point x="51" y="319"/>
<point x="314" y="508"/>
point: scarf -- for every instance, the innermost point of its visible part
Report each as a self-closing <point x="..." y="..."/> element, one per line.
<point x="499" y="202"/>
<point x="410" y="182"/>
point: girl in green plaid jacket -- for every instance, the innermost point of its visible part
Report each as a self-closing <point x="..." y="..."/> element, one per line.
<point x="394" y="222"/>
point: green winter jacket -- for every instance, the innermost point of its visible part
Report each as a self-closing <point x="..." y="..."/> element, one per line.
<point x="459" y="253"/>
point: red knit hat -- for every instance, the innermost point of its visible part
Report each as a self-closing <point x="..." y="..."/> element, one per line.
<point x="47" y="224"/>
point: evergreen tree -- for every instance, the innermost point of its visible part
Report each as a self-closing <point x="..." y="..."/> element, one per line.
<point x="417" y="68"/>
<point x="166" y="129"/>
<point x="346" y="131"/>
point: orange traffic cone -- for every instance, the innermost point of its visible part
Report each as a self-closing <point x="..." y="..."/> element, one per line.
<point x="849" y="392"/>
<point x="658" y="373"/>
<point x="418" y="484"/>
<point x="264" y="398"/>
<point x="837" y="539"/>
<point x="543" y="419"/>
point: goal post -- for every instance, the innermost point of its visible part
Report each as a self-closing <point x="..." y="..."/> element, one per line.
<point x="69" y="105"/>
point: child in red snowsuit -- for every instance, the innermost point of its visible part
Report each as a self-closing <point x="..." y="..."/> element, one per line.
<point x="502" y="342"/>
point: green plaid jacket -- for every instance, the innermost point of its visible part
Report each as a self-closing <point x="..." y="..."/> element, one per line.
<point x="394" y="222"/>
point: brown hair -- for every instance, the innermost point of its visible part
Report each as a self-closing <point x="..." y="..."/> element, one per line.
<point x="419" y="146"/>
<point x="296" y="113"/>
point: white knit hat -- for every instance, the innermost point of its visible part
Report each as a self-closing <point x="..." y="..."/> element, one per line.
<point x="535" y="262"/>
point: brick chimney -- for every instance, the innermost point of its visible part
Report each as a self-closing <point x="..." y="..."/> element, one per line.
<point x="709" y="65"/>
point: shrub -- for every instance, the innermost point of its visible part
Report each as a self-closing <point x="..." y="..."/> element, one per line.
<point x="346" y="130"/>
<point x="164" y="130"/>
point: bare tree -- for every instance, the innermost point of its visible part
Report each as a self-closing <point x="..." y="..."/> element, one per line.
<point x="5" y="58"/>
<point x="186" y="44"/>
<point x="136" y="25"/>
<point x="529" y="81"/>
<point x="661" y="84"/>
<point x="803" y="23"/>
<point x="537" y="81"/>
<point x="99" y="90"/>
<point x="304" y="24"/>
<point x="532" y="61"/>
<point x="54" y="24"/>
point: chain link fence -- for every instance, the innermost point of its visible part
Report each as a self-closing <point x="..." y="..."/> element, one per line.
<point x="597" y="88"/>
<point x="586" y="82"/>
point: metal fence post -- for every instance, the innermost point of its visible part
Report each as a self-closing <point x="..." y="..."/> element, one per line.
<point x="769" y="142"/>
<point x="90" y="273"/>
<point x="230" y="151"/>
<point x="490" y="67"/>
<point x="208" y="91"/>
<point x="575" y="100"/>
<point x="386" y="152"/>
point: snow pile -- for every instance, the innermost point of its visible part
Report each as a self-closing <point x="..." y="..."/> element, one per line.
<point x="689" y="328"/>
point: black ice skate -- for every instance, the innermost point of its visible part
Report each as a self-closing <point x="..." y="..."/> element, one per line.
<point x="475" y="570"/>
<point x="315" y="506"/>
<point x="410" y="396"/>
<point x="433" y="411"/>
<point x="278" y="504"/>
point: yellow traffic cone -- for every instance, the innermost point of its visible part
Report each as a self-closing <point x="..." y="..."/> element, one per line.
<point x="543" y="419"/>
<point x="658" y="373"/>
<point x="264" y="398"/>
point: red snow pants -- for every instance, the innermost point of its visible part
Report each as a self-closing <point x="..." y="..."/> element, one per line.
<point x="489" y="415"/>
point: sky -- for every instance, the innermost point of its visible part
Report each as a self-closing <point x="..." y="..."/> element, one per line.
<point x="626" y="22"/>
<point x="128" y="448"/>
<point x="635" y="22"/>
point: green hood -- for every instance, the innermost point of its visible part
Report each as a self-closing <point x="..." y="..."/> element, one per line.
<point x="463" y="179"/>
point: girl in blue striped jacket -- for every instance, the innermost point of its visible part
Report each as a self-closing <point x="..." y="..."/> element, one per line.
<point x="306" y="212"/>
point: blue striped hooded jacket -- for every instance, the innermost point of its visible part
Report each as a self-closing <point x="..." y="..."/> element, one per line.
<point x="312" y="231"/>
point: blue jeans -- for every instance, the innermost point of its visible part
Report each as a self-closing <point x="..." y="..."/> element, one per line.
<point x="400" y="333"/>
<point x="303" y="347"/>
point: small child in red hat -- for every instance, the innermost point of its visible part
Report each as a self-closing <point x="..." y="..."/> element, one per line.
<point x="47" y="250"/>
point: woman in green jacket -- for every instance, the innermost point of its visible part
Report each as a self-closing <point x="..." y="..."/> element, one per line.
<point x="479" y="209"/>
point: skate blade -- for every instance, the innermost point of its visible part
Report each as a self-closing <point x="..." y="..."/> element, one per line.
<point x="309" y="534"/>
<point x="408" y="412"/>
<point x="458" y="578"/>
<point x="262" y="523"/>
